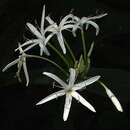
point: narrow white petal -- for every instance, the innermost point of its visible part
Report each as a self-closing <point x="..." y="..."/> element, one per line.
<point x="87" y="25"/>
<point x="69" y="22"/>
<point x="75" y="27"/>
<point x="65" y="27"/>
<point x="63" y="21"/>
<point x="61" y="82"/>
<point x="94" y="25"/>
<point x="83" y="20"/>
<point x="74" y="33"/>
<point x="26" y="72"/>
<point x="34" y="30"/>
<point x="48" y="38"/>
<point x="43" y="49"/>
<point x="97" y="17"/>
<point x="19" y="66"/>
<point x="61" y="42"/>
<point x="68" y="101"/>
<point x="72" y="77"/>
<point x="10" y="64"/>
<point x="27" y="43"/>
<point x="42" y="19"/>
<point x="51" y="97"/>
<point x="51" y="28"/>
<point x="82" y="101"/>
<point x="75" y="18"/>
<point x="49" y="20"/>
<point x="86" y="83"/>
<point x="114" y="100"/>
<point x="31" y="46"/>
<point x="20" y="48"/>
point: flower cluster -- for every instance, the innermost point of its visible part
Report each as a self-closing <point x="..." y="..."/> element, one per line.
<point x="77" y="70"/>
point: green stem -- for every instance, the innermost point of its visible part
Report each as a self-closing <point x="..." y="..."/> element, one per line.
<point x="62" y="57"/>
<point x="71" y="52"/>
<point x="52" y="62"/>
<point x="102" y="84"/>
<point x="84" y="45"/>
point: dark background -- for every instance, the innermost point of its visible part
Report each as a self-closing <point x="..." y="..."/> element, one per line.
<point x="110" y="59"/>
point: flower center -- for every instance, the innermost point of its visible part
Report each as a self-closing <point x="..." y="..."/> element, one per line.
<point x="22" y="58"/>
<point x="69" y="90"/>
<point x="58" y="29"/>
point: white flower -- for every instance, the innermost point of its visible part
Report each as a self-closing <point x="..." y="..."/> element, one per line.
<point x="65" y="24"/>
<point x="41" y="40"/>
<point x="21" y="61"/>
<point x="70" y="91"/>
<point x="114" y="100"/>
<point x="86" y="20"/>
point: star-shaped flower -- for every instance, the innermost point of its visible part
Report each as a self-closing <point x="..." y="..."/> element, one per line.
<point x="21" y="61"/>
<point x="86" y="20"/>
<point x="65" y="24"/>
<point x="40" y="34"/>
<point x="70" y="91"/>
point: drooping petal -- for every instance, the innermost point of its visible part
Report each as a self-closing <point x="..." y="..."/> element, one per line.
<point x="86" y="83"/>
<point x="76" y="19"/>
<point x="43" y="19"/>
<point x="75" y="27"/>
<point x="94" y="25"/>
<point x="68" y="101"/>
<point x="72" y="77"/>
<point x="83" y="20"/>
<point x="63" y="21"/>
<point x="51" y="97"/>
<point x="114" y="100"/>
<point x="97" y="17"/>
<point x="82" y="101"/>
<point x="10" y="64"/>
<point x="61" y="82"/>
<point x="61" y="42"/>
<point x="43" y="49"/>
<point x="26" y="72"/>
<point x="69" y="22"/>
<point x="34" y="30"/>
<point x="65" y="27"/>
<point x="51" y="28"/>
<point x="87" y="25"/>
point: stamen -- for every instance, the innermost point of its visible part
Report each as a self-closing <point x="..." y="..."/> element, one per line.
<point x="69" y="90"/>
<point x="54" y="85"/>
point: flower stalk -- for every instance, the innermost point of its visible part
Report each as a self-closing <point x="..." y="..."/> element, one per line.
<point x="50" y="61"/>
<point x="84" y="45"/>
<point x="71" y="52"/>
<point x="59" y="54"/>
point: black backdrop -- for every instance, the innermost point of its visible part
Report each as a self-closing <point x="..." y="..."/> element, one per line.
<point x="112" y="50"/>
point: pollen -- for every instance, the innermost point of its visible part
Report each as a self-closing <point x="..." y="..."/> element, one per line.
<point x="69" y="90"/>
